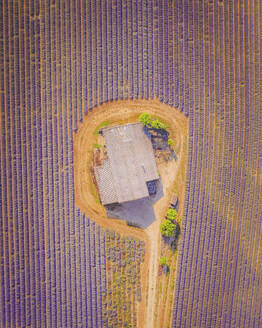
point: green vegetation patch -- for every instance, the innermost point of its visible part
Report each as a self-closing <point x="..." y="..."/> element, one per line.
<point x="100" y="126"/>
<point x="167" y="228"/>
<point x="171" y="214"/>
<point x="146" y="119"/>
<point x="96" y="145"/>
<point x="162" y="261"/>
<point x="170" y="142"/>
<point x="157" y="124"/>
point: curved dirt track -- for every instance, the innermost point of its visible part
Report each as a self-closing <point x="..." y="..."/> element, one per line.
<point x="120" y="112"/>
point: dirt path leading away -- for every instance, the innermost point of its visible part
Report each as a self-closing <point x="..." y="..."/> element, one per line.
<point x="86" y="198"/>
<point x="153" y="234"/>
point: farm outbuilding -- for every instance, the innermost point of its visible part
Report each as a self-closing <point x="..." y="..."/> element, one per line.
<point x="130" y="170"/>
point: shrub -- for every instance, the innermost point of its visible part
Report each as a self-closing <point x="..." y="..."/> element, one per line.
<point x="158" y="125"/>
<point x="170" y="142"/>
<point x="171" y="214"/>
<point x="162" y="261"/>
<point x="145" y="118"/>
<point x="167" y="228"/>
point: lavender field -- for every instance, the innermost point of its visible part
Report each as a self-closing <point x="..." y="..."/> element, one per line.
<point x="60" y="59"/>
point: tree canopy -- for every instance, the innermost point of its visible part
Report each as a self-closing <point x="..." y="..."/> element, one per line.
<point x="171" y="214"/>
<point x="158" y="125"/>
<point x="145" y="118"/>
<point x="167" y="228"/>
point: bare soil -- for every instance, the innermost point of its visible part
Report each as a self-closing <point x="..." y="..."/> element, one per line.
<point x="172" y="175"/>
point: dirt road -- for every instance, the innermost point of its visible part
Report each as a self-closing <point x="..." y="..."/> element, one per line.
<point x="153" y="234"/>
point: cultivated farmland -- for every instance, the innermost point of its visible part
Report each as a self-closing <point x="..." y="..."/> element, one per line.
<point x="61" y="61"/>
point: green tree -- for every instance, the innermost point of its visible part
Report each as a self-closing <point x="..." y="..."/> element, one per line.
<point x="167" y="228"/>
<point x="171" y="214"/>
<point x="162" y="261"/>
<point x="158" y="125"/>
<point x="145" y="118"/>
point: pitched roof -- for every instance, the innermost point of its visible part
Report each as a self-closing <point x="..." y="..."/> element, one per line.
<point x="131" y="163"/>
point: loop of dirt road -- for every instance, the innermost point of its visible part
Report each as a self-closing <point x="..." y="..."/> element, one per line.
<point x="120" y="112"/>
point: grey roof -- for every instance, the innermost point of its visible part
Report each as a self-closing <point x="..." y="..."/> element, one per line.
<point x="131" y="163"/>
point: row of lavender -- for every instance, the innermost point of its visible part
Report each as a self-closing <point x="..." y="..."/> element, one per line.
<point x="49" y="269"/>
<point x="219" y="276"/>
<point x="117" y="50"/>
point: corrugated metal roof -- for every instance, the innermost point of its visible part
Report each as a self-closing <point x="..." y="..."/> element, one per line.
<point x="132" y="163"/>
